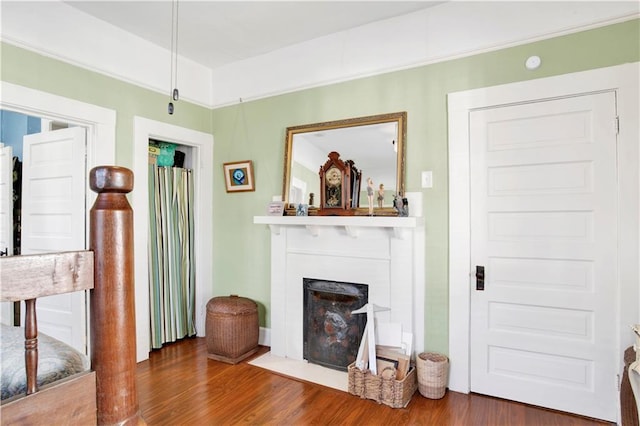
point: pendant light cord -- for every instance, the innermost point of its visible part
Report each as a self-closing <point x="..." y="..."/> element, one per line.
<point x="173" y="83"/>
<point x="171" y="62"/>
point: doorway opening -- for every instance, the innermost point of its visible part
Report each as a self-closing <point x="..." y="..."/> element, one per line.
<point x="172" y="259"/>
<point x="201" y="156"/>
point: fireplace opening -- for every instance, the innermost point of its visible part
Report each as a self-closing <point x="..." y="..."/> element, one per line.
<point x="331" y="334"/>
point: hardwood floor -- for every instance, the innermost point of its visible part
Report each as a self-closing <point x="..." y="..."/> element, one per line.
<point x="179" y="385"/>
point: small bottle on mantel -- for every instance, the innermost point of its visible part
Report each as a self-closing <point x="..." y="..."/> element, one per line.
<point x="311" y="196"/>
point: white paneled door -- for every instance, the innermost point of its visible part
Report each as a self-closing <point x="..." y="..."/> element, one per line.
<point x="53" y="219"/>
<point x="6" y="219"/>
<point x="543" y="227"/>
<point x="6" y="200"/>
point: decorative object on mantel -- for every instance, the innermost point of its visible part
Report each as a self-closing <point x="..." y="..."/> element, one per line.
<point x="275" y="208"/>
<point x="302" y="210"/>
<point x="339" y="184"/>
<point x="238" y="176"/>
<point x="292" y="210"/>
<point x="370" y="195"/>
<point x="401" y="205"/>
<point x="405" y="207"/>
<point x="381" y="196"/>
<point x="385" y="211"/>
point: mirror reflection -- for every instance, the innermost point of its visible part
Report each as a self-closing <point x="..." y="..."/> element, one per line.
<point x="375" y="144"/>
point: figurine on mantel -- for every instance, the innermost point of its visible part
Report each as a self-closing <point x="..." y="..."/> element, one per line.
<point x="311" y="196"/>
<point x="397" y="203"/>
<point x="401" y="204"/>
<point x="405" y="207"/>
<point x="370" y="195"/>
<point x="381" y="195"/>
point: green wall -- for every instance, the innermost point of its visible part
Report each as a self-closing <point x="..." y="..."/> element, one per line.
<point x="256" y="130"/>
<point x="422" y="92"/>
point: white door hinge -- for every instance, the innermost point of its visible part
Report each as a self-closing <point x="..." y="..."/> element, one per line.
<point x="617" y="125"/>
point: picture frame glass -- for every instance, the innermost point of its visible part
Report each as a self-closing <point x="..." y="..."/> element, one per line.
<point x="238" y="176"/>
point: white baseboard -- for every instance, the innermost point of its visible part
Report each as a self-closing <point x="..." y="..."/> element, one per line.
<point x="264" y="338"/>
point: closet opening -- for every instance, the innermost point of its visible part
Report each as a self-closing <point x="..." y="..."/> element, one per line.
<point x="171" y="248"/>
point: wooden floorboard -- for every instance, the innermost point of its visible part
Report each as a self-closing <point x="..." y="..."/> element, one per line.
<point x="179" y="385"/>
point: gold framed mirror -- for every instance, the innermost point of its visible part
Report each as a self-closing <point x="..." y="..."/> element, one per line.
<point x="375" y="144"/>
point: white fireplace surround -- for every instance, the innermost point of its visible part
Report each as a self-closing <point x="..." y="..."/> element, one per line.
<point x="387" y="253"/>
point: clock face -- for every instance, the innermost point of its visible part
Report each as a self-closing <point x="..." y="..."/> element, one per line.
<point x="333" y="189"/>
<point x="333" y="176"/>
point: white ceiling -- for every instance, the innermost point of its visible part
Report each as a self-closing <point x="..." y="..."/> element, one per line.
<point x="247" y="50"/>
<point x="215" y="33"/>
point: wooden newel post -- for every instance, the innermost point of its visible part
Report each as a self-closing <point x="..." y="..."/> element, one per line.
<point x="113" y="327"/>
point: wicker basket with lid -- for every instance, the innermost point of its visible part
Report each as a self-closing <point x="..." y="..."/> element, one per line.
<point x="232" y="328"/>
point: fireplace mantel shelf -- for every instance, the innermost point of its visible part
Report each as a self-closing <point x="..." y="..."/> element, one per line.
<point x="352" y="225"/>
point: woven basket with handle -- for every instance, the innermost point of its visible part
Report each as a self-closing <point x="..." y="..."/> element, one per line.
<point x="382" y="388"/>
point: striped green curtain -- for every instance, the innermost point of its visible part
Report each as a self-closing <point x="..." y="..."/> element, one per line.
<point x="171" y="254"/>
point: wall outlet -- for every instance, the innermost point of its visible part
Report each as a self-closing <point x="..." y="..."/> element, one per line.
<point x="427" y="179"/>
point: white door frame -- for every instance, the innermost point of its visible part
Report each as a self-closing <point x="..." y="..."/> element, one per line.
<point x="100" y="124"/>
<point x="202" y="144"/>
<point x="624" y="80"/>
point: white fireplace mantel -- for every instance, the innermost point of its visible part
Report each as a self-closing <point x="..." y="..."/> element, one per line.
<point x="352" y="225"/>
<point x="386" y="253"/>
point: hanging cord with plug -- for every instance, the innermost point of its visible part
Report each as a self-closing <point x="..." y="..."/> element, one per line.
<point x="175" y="94"/>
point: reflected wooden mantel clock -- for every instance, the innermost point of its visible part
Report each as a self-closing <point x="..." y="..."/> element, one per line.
<point x="338" y="179"/>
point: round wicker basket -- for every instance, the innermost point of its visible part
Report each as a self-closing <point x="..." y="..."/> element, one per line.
<point x="433" y="370"/>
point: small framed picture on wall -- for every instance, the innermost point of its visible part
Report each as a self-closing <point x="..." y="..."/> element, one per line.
<point x="238" y="176"/>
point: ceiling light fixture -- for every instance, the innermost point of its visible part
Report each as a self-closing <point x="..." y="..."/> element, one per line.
<point x="173" y="84"/>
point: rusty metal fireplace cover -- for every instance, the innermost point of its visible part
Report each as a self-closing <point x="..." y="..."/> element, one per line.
<point x="331" y="334"/>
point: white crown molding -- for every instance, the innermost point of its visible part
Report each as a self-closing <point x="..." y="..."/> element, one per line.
<point x="448" y="31"/>
<point x="445" y="32"/>
<point x="62" y="32"/>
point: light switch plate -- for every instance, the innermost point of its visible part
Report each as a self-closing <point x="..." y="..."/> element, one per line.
<point x="427" y="179"/>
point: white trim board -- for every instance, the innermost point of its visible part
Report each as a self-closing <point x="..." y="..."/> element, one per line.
<point x="202" y="144"/>
<point x="624" y="80"/>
